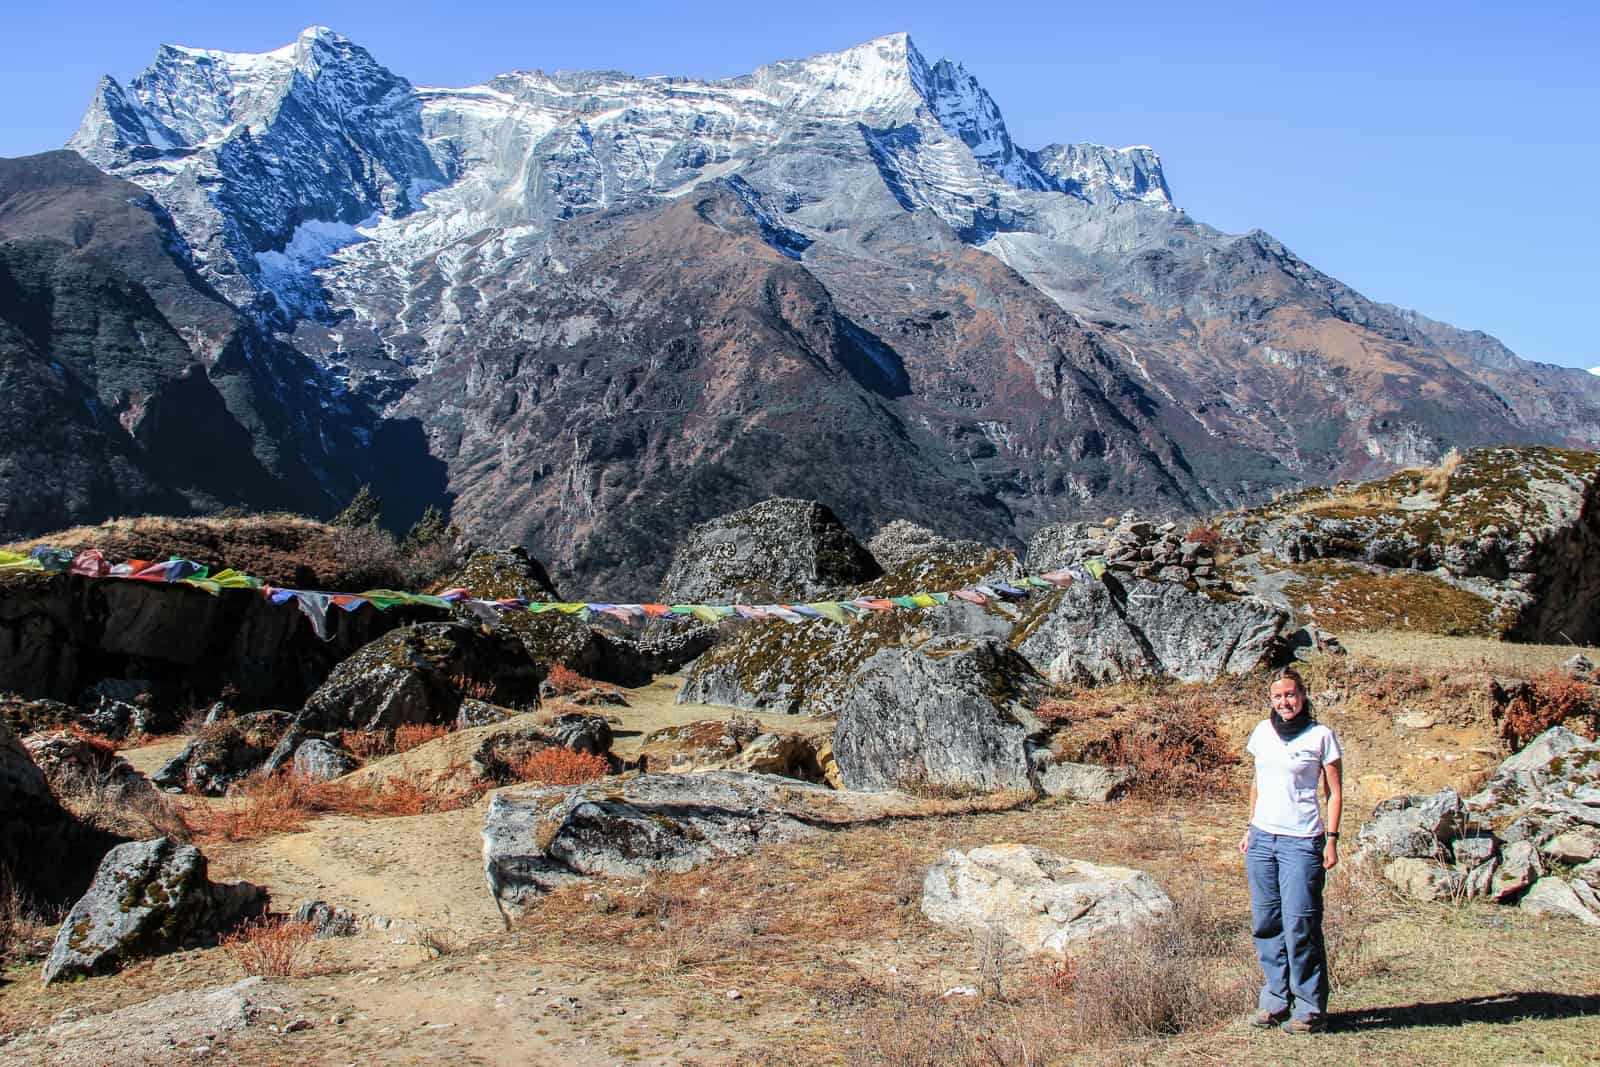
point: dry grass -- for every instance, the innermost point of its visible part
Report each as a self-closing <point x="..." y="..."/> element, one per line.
<point x="1444" y="653"/>
<point x="1436" y="480"/>
<point x="283" y="803"/>
<point x="117" y="804"/>
<point x="1344" y="598"/>
<point x="282" y="549"/>
<point x="560" y="766"/>
<point x="1345" y="505"/>
<point x="272" y="948"/>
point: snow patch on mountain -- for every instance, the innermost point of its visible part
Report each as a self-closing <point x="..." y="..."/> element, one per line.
<point x="287" y="273"/>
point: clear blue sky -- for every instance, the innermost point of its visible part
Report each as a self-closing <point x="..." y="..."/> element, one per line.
<point x="1440" y="156"/>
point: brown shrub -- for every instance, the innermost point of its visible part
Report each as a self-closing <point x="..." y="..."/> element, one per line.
<point x="366" y="745"/>
<point x="283" y="803"/>
<point x="411" y="735"/>
<point x="1206" y="535"/>
<point x="566" y="681"/>
<point x="1053" y="710"/>
<point x="561" y="766"/>
<point x="1178" y="751"/>
<point x="1526" y="709"/>
<point x="269" y="947"/>
<point x="467" y="686"/>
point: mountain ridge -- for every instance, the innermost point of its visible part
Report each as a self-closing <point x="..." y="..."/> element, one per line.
<point x="1102" y="350"/>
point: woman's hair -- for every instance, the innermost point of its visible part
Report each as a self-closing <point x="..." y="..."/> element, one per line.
<point x="1293" y="675"/>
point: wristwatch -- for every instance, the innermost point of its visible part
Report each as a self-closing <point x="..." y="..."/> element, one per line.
<point x="1333" y="834"/>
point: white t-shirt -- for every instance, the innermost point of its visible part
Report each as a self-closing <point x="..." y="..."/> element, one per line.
<point x="1287" y="773"/>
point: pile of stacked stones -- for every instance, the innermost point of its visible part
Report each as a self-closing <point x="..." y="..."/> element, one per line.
<point x="1530" y="838"/>
<point x="1131" y="545"/>
<point x="1158" y="552"/>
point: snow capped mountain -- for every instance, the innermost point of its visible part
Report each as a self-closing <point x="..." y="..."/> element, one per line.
<point x="243" y="150"/>
<point x="246" y="150"/>
<point x="1594" y="370"/>
<point x="568" y="307"/>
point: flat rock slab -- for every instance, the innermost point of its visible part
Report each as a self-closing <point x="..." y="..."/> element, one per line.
<point x="1038" y="900"/>
<point x="535" y="840"/>
<point x="167" y="1029"/>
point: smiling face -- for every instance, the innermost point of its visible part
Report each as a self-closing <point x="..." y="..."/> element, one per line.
<point x="1287" y="699"/>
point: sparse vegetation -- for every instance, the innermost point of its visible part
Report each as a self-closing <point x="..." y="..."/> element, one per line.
<point x="283" y="803"/>
<point x="269" y="947"/>
<point x="560" y="766"/>
<point x="1341" y="598"/>
<point x="1526" y="709"/>
<point x="566" y="681"/>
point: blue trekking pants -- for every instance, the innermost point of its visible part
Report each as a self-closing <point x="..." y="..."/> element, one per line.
<point x="1286" y="879"/>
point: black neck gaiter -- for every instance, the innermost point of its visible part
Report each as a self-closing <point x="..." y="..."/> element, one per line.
<point x="1289" y="729"/>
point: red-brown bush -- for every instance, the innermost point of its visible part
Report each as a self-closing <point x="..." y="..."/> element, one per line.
<point x="564" y="680"/>
<point x="269" y="947"/>
<point x="561" y="766"/>
<point x="1526" y="709"/>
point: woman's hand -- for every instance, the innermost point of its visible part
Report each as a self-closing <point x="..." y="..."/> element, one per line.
<point x="1330" y="854"/>
<point x="1244" y="842"/>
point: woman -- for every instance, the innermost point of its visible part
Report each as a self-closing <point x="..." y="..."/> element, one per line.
<point x="1287" y="852"/>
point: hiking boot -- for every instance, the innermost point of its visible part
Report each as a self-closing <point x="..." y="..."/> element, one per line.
<point x="1264" y="1018"/>
<point x="1313" y="1025"/>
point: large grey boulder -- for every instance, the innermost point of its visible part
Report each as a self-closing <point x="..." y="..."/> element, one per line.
<point x="147" y="897"/>
<point x="420" y="674"/>
<point x="804" y="668"/>
<point x="535" y="839"/>
<point x="1081" y="635"/>
<point x="953" y="712"/>
<point x="1122" y="629"/>
<point x="1037" y="900"/>
<point x="779" y="550"/>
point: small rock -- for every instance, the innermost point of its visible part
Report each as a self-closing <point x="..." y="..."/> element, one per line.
<point x="734" y="994"/>
<point x="1573" y="846"/>
<point x="1425" y="880"/>
<point x="1520" y="867"/>
<point x="1480" y="879"/>
<point x="1038" y="900"/>
<point x="297" y="1025"/>
<point x="959" y="991"/>
<point x="1473" y="850"/>
<point x="1085" y="781"/>
<point x="1552" y="896"/>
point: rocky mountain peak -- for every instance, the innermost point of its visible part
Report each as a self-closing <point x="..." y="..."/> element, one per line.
<point x="877" y="82"/>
